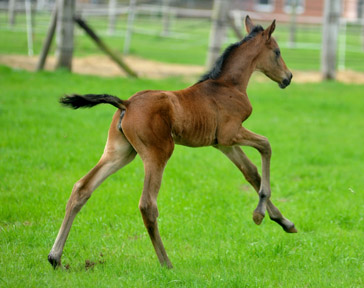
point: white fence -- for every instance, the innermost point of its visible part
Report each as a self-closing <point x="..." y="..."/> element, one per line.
<point x="186" y="24"/>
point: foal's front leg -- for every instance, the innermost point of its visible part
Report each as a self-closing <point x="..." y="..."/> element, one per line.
<point x="247" y="138"/>
<point x="238" y="157"/>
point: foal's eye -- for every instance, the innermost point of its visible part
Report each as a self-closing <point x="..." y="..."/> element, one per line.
<point x="277" y="52"/>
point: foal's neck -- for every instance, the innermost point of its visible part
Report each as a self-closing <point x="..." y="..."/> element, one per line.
<point x="240" y="65"/>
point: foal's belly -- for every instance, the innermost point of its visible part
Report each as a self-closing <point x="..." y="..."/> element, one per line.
<point x="195" y="133"/>
<point x="193" y="142"/>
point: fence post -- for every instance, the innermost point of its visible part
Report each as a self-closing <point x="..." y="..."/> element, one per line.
<point x="112" y="16"/>
<point x="218" y="29"/>
<point x="342" y="48"/>
<point x="292" y="30"/>
<point x="65" y="25"/>
<point x="11" y="12"/>
<point x="104" y="48"/>
<point x="166" y="16"/>
<point x="129" y="26"/>
<point x="40" y="5"/>
<point x="362" y="21"/>
<point x="28" y="11"/>
<point x="236" y="23"/>
<point x="330" y="33"/>
<point x="48" y="41"/>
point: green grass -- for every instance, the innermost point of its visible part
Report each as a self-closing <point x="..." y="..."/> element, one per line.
<point x="316" y="133"/>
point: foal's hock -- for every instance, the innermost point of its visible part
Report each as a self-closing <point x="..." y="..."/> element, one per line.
<point x="209" y="113"/>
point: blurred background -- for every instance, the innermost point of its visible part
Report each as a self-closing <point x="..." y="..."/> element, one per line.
<point x="182" y="32"/>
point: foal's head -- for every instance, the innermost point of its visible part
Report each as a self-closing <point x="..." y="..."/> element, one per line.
<point x="269" y="60"/>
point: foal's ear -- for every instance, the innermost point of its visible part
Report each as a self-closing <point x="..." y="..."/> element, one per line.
<point x="269" y="31"/>
<point x="249" y="25"/>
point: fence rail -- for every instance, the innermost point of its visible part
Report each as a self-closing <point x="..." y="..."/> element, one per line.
<point x="188" y="32"/>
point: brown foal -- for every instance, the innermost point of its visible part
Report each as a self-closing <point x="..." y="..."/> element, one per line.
<point x="209" y="113"/>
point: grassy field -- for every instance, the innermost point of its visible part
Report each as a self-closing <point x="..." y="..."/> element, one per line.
<point x="316" y="133"/>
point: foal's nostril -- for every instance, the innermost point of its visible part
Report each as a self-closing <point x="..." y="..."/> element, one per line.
<point x="286" y="82"/>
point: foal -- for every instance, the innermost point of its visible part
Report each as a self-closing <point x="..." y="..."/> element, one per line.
<point x="209" y="113"/>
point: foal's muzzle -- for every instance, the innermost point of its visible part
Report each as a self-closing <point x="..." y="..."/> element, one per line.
<point x="286" y="81"/>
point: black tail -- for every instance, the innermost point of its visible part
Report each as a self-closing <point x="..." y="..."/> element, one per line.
<point x="89" y="100"/>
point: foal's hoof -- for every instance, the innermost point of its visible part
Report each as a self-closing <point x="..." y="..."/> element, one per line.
<point x="291" y="229"/>
<point x="168" y="265"/>
<point x="54" y="261"/>
<point x="258" y="217"/>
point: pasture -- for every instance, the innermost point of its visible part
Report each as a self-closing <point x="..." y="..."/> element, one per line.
<point x="316" y="133"/>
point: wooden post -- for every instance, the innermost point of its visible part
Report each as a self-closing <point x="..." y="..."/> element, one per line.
<point x="112" y="16"/>
<point x="236" y="24"/>
<point x="218" y="29"/>
<point x="105" y="48"/>
<point x="362" y="22"/>
<point x="129" y="26"/>
<point x="11" y="12"/>
<point x="292" y="30"/>
<point x="330" y="33"/>
<point x="48" y="41"/>
<point x="166" y="16"/>
<point x="41" y="5"/>
<point x="65" y="25"/>
<point x="342" y="44"/>
<point x="28" y="14"/>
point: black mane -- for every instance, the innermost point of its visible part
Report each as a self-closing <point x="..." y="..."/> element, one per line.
<point x="215" y="71"/>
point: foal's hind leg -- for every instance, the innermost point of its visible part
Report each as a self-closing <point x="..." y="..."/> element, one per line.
<point x="148" y="205"/>
<point x="118" y="152"/>
<point x="250" y="172"/>
<point x="150" y="134"/>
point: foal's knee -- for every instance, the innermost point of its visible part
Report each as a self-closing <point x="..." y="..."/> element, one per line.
<point x="265" y="147"/>
<point x="149" y="212"/>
